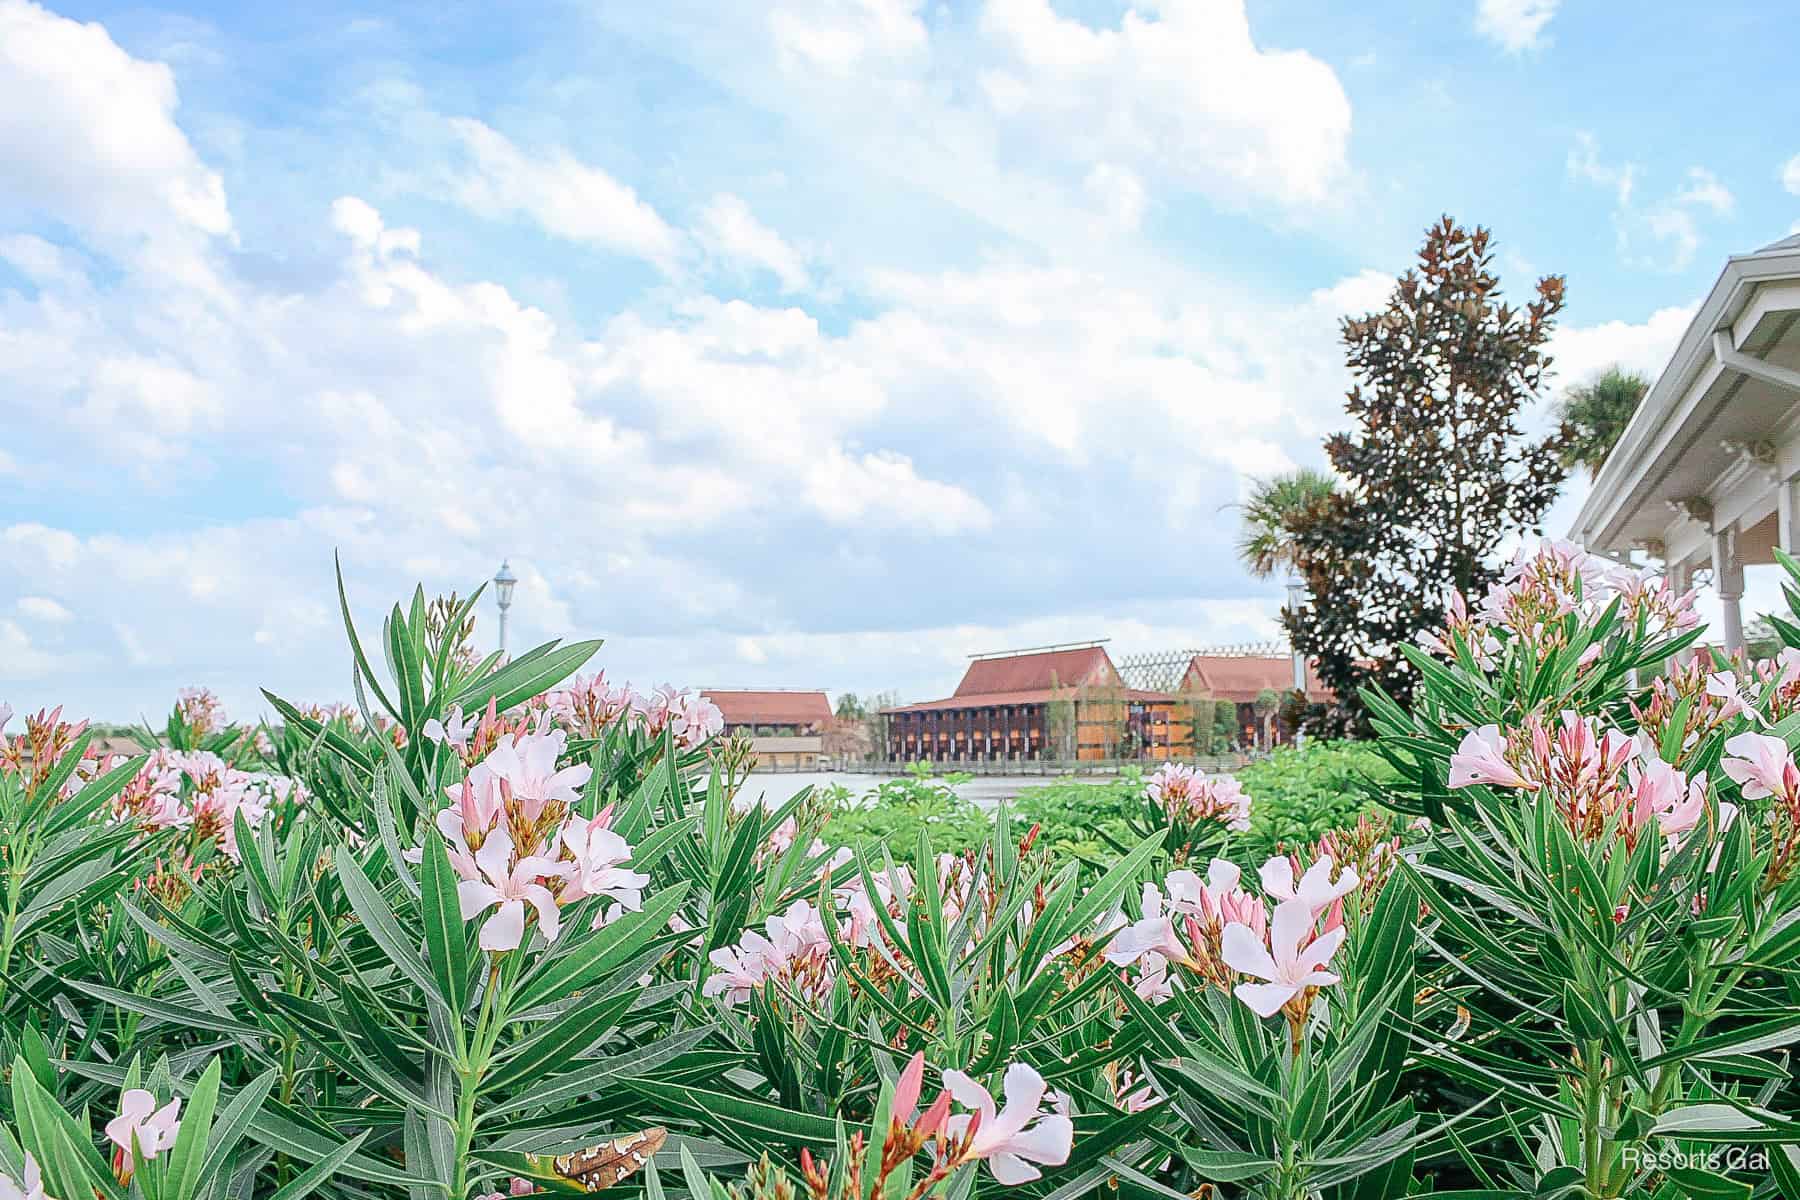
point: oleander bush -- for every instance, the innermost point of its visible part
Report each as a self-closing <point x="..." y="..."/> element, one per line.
<point x="1305" y="792"/>
<point x="501" y="928"/>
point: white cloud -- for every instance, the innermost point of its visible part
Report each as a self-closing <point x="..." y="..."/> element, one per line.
<point x="1186" y="92"/>
<point x="1663" y="234"/>
<point x="840" y="35"/>
<point x="730" y="232"/>
<point x="884" y="488"/>
<point x="1704" y="191"/>
<point x="1118" y="193"/>
<point x="565" y="196"/>
<point x="1584" y="351"/>
<point x="88" y="133"/>
<point x="1790" y="176"/>
<point x="43" y="608"/>
<point x="1515" y="25"/>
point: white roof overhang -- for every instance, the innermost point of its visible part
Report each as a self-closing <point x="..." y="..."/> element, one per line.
<point x="1719" y="426"/>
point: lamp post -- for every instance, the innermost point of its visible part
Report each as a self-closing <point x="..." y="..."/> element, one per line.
<point x="504" y="582"/>
<point x="1296" y="590"/>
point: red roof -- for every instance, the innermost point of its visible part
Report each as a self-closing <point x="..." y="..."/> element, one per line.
<point x="772" y="708"/>
<point x="1240" y="678"/>
<point x="1028" y="696"/>
<point x="1038" y="672"/>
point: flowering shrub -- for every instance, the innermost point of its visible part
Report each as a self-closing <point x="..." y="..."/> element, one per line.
<point x="501" y="929"/>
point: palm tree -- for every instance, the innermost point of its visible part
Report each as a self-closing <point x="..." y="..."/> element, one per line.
<point x="1595" y="414"/>
<point x="1265" y="539"/>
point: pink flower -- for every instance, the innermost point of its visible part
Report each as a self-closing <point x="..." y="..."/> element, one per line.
<point x="1153" y="934"/>
<point x="1016" y="1136"/>
<point x="510" y="887"/>
<point x="694" y="719"/>
<point x="798" y="932"/>
<point x="527" y="766"/>
<point x="598" y="853"/>
<point x="1315" y="887"/>
<point x="1479" y="759"/>
<point x="1724" y="686"/>
<point x="141" y="1128"/>
<point x="1762" y="765"/>
<point x="31" y="1186"/>
<point x="740" y="968"/>
<point x="1662" y="794"/>
<point x="453" y="729"/>
<point x="1293" y="961"/>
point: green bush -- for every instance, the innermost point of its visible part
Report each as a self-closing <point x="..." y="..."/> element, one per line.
<point x="895" y="812"/>
<point x="1087" y="820"/>
<point x="1301" y="792"/>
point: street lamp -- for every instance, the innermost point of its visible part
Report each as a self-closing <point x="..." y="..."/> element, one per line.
<point x="504" y="582"/>
<point x="1296" y="590"/>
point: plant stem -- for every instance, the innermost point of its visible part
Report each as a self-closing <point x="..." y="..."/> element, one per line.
<point x="469" y="1073"/>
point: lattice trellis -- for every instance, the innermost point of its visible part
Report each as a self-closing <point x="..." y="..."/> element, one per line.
<point x="1162" y="670"/>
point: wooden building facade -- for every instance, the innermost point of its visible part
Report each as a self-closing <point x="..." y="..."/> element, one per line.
<point x="1060" y="702"/>
<point x="1240" y="680"/>
<point x="787" y="729"/>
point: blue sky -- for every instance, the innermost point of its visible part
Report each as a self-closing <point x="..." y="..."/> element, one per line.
<point x="813" y="343"/>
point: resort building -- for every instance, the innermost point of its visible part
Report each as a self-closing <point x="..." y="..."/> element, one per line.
<point x="787" y="729"/>
<point x="1254" y="683"/>
<point x="1051" y="702"/>
<point x="1705" y="477"/>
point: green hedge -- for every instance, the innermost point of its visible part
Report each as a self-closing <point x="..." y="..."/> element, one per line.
<point x="1299" y="793"/>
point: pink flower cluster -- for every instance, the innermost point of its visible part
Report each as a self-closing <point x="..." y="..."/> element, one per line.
<point x="1598" y="779"/>
<point x="1189" y="795"/>
<point x="795" y="950"/>
<point x="200" y="711"/>
<point x="1032" y="1128"/>
<point x="586" y="706"/>
<point x="1227" y="936"/>
<point x="197" y="791"/>
<point x="1539" y="588"/>
<point x="519" y="848"/>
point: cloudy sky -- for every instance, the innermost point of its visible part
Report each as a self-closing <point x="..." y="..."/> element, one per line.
<point x="807" y="342"/>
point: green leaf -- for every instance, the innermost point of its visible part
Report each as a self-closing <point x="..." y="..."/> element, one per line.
<point x="534" y="672"/>
<point x="308" y="1181"/>
<point x="751" y="1123"/>
<point x="196" y="1126"/>
<point x="1701" y="1184"/>
<point x="602" y="950"/>
<point x="382" y="925"/>
<point x="233" y="1123"/>
<point x="446" y="939"/>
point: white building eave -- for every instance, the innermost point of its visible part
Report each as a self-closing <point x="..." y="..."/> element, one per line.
<point x="1672" y="408"/>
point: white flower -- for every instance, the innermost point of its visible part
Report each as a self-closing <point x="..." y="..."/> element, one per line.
<point x="511" y="888"/>
<point x="1009" y="1139"/>
<point x="1315" y="887"/>
<point x="454" y="729"/>
<point x="598" y="853"/>
<point x="153" y="1129"/>
<point x="1298" y="960"/>
<point x="32" y="1186"/>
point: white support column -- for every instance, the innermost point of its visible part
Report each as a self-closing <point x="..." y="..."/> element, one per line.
<point x="1728" y="581"/>
<point x="1787" y="515"/>
<point x="1681" y="578"/>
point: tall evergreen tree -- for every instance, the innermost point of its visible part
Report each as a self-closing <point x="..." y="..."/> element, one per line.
<point x="1437" y="471"/>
